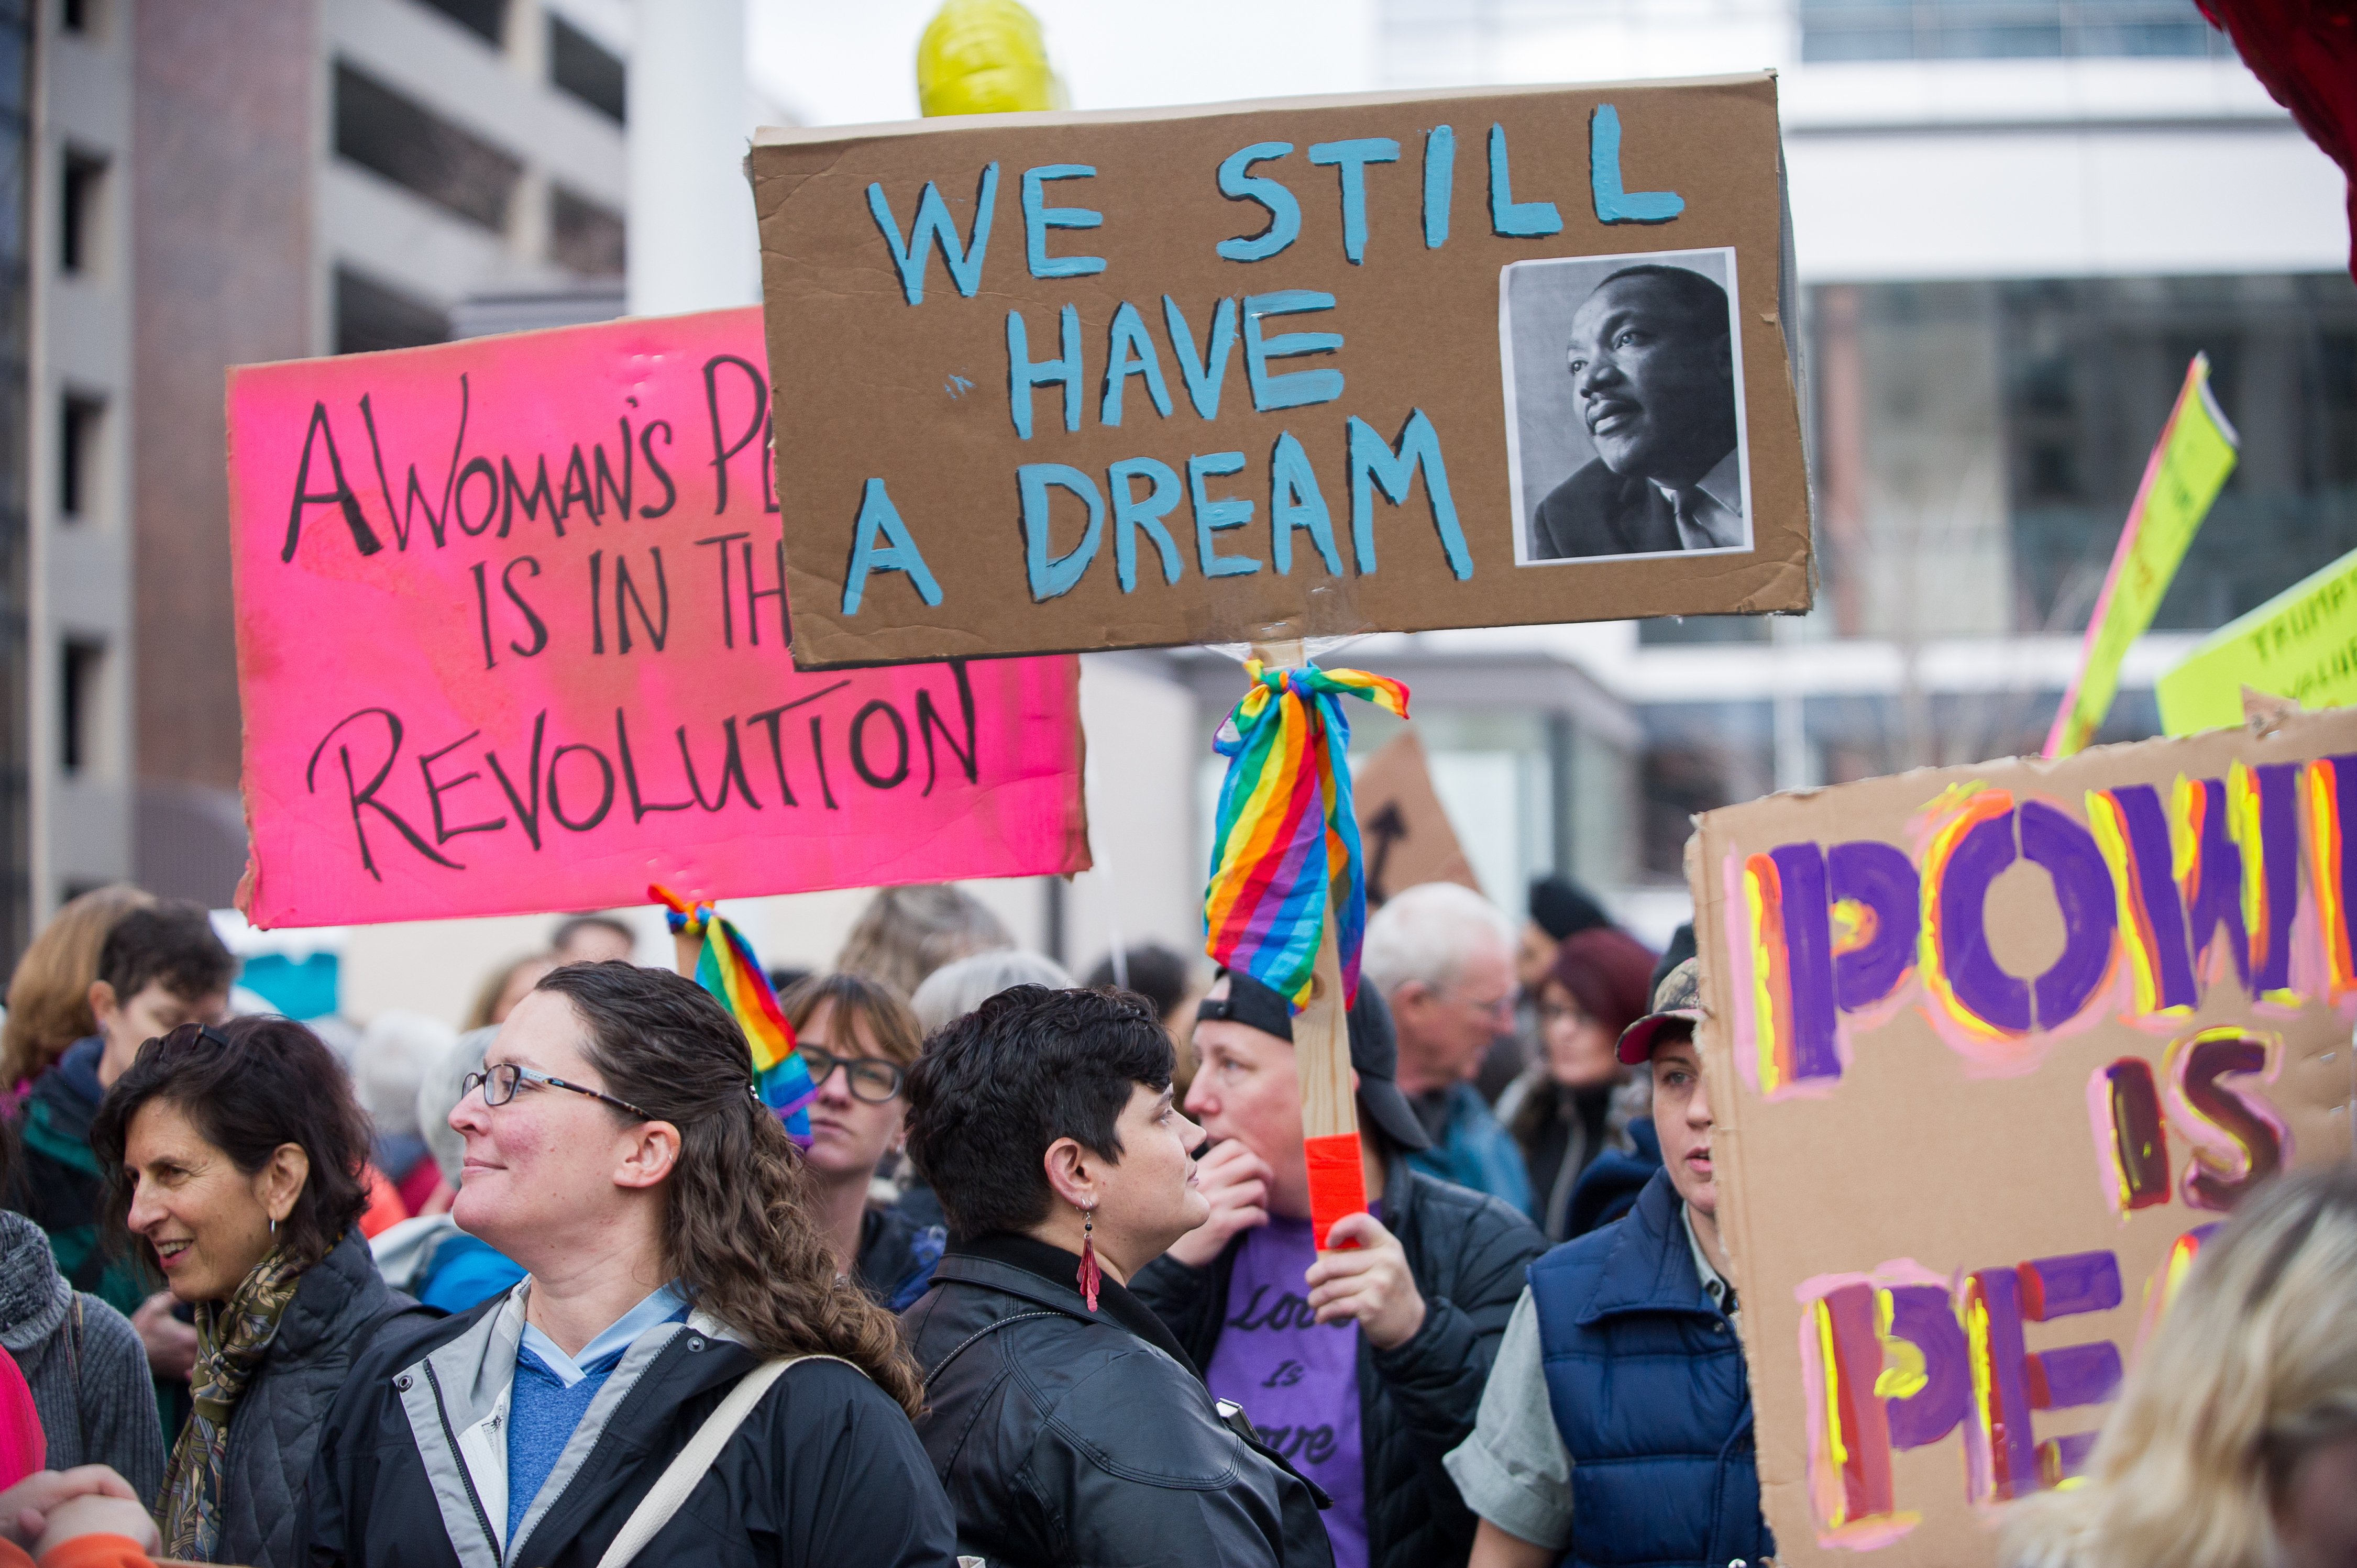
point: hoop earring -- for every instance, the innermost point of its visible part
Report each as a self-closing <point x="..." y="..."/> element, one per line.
<point x="1090" y="1276"/>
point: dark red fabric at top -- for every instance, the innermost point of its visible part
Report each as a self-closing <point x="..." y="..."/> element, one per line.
<point x="2305" y="53"/>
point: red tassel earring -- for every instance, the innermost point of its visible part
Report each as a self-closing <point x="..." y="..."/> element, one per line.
<point x="1090" y="1276"/>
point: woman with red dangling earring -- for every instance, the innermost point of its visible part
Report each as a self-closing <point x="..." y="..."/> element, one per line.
<point x="1066" y="1424"/>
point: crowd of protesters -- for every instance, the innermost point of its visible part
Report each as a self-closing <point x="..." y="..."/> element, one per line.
<point x="1043" y="1288"/>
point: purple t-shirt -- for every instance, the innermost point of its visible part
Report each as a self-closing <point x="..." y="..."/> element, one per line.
<point x="1297" y="1379"/>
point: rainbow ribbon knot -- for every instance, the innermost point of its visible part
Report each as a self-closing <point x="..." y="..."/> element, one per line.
<point x="1285" y="850"/>
<point x="728" y="970"/>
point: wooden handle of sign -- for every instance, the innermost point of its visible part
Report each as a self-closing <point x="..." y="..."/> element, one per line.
<point x="1321" y="1047"/>
<point x="687" y="952"/>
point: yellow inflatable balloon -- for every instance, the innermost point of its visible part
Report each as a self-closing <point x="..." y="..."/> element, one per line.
<point x="985" y="57"/>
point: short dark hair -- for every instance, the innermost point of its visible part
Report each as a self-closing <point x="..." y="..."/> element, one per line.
<point x="1155" y="972"/>
<point x="997" y="1086"/>
<point x="1700" y="300"/>
<point x="172" y="941"/>
<point x="248" y="1086"/>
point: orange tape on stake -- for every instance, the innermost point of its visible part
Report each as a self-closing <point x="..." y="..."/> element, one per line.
<point x="1337" y="1182"/>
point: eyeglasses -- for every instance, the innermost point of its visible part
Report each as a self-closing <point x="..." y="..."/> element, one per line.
<point x="500" y="1084"/>
<point x="872" y="1078"/>
<point x="1502" y="1007"/>
<point x="190" y="1034"/>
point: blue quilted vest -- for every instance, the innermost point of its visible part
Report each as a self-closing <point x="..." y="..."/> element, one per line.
<point x="1646" y="1380"/>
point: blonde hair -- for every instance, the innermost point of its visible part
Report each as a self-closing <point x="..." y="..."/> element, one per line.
<point x="2254" y="1368"/>
<point x="905" y="933"/>
<point x="48" y="996"/>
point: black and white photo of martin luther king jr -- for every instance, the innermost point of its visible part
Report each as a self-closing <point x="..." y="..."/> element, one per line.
<point x="1652" y="374"/>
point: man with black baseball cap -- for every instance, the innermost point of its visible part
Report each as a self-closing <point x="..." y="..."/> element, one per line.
<point x="1617" y="1427"/>
<point x="1424" y="1282"/>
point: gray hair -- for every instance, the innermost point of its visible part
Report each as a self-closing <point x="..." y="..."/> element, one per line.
<point x="954" y="990"/>
<point x="905" y="933"/>
<point x="1427" y="933"/>
<point x="439" y="1095"/>
<point x="395" y="1053"/>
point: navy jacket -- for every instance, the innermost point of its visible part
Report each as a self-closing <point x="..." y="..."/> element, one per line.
<point x="1647" y="1383"/>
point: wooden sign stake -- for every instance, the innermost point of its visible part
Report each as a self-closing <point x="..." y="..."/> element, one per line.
<point x="1321" y="1044"/>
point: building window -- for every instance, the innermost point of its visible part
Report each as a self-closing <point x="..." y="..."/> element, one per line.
<point x="1978" y="444"/>
<point x="1699" y="757"/>
<point x="411" y="145"/>
<point x="583" y="236"/>
<point x="2004" y="29"/>
<point x="77" y="224"/>
<point x="370" y="317"/>
<point x="74" y="17"/>
<point x="2087" y="369"/>
<point x="80" y="667"/>
<point x="486" y="19"/>
<point x="584" y="67"/>
<point x="80" y="422"/>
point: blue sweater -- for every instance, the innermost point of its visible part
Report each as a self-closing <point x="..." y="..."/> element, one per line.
<point x="553" y="1391"/>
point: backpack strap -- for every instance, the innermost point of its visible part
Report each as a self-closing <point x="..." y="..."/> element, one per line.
<point x="679" y="1477"/>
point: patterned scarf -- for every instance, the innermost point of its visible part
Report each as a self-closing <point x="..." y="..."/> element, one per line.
<point x="232" y="1339"/>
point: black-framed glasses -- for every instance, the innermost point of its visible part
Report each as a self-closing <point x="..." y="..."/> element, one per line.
<point x="190" y="1034"/>
<point x="500" y="1084"/>
<point x="872" y="1078"/>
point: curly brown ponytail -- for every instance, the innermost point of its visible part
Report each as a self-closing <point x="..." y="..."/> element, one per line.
<point x="740" y="1236"/>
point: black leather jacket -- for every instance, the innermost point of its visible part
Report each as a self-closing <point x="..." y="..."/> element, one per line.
<point x="1417" y="1401"/>
<point x="1067" y="1437"/>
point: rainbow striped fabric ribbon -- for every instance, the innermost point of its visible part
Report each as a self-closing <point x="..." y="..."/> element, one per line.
<point x="728" y="970"/>
<point x="1285" y="850"/>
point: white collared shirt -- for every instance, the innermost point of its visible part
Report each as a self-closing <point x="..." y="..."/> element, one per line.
<point x="1711" y="515"/>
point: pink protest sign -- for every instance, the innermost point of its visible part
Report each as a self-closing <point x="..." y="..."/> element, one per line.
<point x="512" y="636"/>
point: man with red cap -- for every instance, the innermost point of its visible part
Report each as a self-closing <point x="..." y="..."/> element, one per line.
<point x="1617" y="1425"/>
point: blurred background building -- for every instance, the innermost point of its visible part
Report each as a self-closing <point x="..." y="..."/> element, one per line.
<point x="2015" y="221"/>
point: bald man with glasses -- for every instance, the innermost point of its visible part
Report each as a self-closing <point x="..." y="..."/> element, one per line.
<point x="1443" y="957"/>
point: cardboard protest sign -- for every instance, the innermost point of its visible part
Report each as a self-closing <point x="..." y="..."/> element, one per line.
<point x="1404" y="830"/>
<point x="1254" y="371"/>
<point x="1991" y="1050"/>
<point x="512" y="636"/>
<point x="2301" y="644"/>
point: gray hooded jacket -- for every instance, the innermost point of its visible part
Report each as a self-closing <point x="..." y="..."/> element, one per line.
<point x="82" y="1360"/>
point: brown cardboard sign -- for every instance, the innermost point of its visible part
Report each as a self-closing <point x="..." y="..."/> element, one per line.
<point x="1403" y="831"/>
<point x="1049" y="383"/>
<point x="1992" y="1051"/>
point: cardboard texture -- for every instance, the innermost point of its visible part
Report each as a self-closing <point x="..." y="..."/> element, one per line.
<point x="1358" y="418"/>
<point x="1988" y="1048"/>
<point x="1403" y="831"/>
<point x="510" y="638"/>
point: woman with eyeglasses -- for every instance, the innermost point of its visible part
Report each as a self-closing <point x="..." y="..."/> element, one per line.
<point x="859" y="1040"/>
<point x="236" y="1153"/>
<point x="682" y="1369"/>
